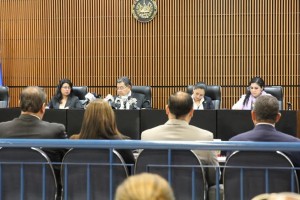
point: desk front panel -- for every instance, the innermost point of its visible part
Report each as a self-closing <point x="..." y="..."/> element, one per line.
<point x="224" y="124"/>
<point x="128" y="122"/>
<point x="233" y="122"/>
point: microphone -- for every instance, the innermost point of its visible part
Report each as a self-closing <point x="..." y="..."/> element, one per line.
<point x="110" y="100"/>
<point x="131" y="104"/>
<point x="119" y="104"/>
<point x="89" y="97"/>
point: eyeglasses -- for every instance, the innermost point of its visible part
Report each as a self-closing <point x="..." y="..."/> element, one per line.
<point x="66" y="87"/>
<point x="121" y="88"/>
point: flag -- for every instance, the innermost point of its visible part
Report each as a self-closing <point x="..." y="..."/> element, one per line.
<point x="1" y="82"/>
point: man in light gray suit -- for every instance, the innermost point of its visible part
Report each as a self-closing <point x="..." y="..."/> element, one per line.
<point x="180" y="112"/>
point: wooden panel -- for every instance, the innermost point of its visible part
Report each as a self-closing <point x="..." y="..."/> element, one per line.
<point x="94" y="42"/>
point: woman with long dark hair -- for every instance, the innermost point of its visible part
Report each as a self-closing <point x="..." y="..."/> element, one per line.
<point x="255" y="89"/>
<point x="64" y="97"/>
<point x="99" y="123"/>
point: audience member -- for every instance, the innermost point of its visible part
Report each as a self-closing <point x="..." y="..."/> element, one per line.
<point x="126" y="95"/>
<point x="180" y="111"/>
<point x="64" y="97"/>
<point x="144" y="186"/>
<point x="201" y="102"/>
<point x="254" y="90"/>
<point x="278" y="196"/>
<point x="30" y="124"/>
<point x="264" y="116"/>
<point x="99" y="123"/>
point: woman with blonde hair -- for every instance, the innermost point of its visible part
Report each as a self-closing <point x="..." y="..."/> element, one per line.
<point x="144" y="186"/>
<point x="99" y="123"/>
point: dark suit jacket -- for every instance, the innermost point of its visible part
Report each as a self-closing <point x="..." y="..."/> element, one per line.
<point x="267" y="133"/>
<point x="142" y="102"/>
<point x="72" y="102"/>
<point x="208" y="104"/>
<point x="29" y="126"/>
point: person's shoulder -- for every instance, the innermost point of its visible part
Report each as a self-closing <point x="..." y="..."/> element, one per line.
<point x="8" y="123"/>
<point x="242" y="136"/>
<point x="152" y="131"/>
<point x="201" y="131"/>
<point x="137" y="95"/>
<point x="73" y="97"/>
<point x="53" y="125"/>
<point x="207" y="98"/>
<point x="288" y="138"/>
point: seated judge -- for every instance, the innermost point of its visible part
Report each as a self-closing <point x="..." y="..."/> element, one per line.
<point x="64" y="97"/>
<point x="255" y="89"/>
<point x="126" y="99"/>
<point x="200" y="101"/>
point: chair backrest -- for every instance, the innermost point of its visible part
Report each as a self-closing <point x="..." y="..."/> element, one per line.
<point x="92" y="173"/>
<point x="80" y="92"/>
<point x="249" y="173"/>
<point x="182" y="169"/>
<point x="26" y="173"/>
<point x="212" y="91"/>
<point x="4" y="97"/>
<point x="277" y="92"/>
<point x="146" y="90"/>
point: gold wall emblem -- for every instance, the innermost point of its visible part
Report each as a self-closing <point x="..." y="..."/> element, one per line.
<point x="144" y="10"/>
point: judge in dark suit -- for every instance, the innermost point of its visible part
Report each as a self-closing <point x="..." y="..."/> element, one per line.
<point x="64" y="97"/>
<point x="264" y="116"/>
<point x="29" y="125"/>
<point x="201" y="102"/>
<point x="124" y="92"/>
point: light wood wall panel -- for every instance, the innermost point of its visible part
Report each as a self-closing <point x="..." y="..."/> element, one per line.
<point x="93" y="42"/>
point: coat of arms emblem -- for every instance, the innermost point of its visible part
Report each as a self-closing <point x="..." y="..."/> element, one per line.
<point x="144" y="10"/>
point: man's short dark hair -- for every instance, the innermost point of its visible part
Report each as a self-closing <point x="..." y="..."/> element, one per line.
<point x="125" y="80"/>
<point x="32" y="99"/>
<point x="180" y="104"/>
<point x="266" y="108"/>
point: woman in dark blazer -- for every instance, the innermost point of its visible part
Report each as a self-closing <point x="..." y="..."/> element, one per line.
<point x="64" y="97"/>
<point x="201" y="102"/>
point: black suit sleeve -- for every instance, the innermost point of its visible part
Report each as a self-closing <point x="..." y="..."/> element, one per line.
<point x="146" y="104"/>
<point x="208" y="104"/>
<point x="50" y="104"/>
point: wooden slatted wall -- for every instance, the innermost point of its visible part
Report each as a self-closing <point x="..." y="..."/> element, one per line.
<point x="93" y="42"/>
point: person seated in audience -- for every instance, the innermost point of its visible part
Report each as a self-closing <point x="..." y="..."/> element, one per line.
<point x="255" y="89"/>
<point x="99" y="123"/>
<point x="125" y="94"/>
<point x="64" y="97"/>
<point x="180" y="112"/>
<point x="144" y="186"/>
<point x="278" y="196"/>
<point x="29" y="125"/>
<point x="201" y="102"/>
<point x="265" y="115"/>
